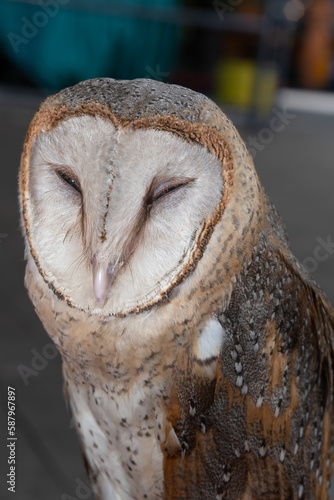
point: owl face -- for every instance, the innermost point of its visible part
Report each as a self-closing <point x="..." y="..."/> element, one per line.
<point x="117" y="214"/>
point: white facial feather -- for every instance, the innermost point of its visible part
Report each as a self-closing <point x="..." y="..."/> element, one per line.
<point x="115" y="170"/>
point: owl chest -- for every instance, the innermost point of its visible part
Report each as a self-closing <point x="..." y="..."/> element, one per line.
<point x="121" y="429"/>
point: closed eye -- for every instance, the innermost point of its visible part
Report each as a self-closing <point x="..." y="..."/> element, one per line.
<point x="165" y="189"/>
<point x="69" y="178"/>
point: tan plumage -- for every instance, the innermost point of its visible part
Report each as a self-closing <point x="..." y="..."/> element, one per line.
<point x="197" y="353"/>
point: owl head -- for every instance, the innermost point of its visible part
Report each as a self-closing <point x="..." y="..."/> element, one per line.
<point x="128" y="188"/>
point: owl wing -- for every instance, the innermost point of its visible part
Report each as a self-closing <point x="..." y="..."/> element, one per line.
<point x="262" y="426"/>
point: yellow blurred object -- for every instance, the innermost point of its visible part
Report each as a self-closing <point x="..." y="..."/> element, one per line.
<point x="240" y="83"/>
<point x="235" y="82"/>
<point x="266" y="83"/>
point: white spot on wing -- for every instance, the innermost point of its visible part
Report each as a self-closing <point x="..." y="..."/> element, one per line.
<point x="210" y="340"/>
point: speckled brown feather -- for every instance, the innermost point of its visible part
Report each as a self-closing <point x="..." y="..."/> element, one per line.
<point x="255" y="422"/>
<point x="263" y="428"/>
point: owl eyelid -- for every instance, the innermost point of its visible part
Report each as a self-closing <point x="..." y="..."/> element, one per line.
<point x="166" y="188"/>
<point x="68" y="178"/>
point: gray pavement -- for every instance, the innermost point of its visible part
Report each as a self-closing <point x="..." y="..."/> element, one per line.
<point x="296" y="167"/>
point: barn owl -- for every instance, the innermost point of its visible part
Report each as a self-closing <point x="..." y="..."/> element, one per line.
<point x="197" y="353"/>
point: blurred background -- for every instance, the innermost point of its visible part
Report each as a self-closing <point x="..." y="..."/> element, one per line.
<point x="267" y="63"/>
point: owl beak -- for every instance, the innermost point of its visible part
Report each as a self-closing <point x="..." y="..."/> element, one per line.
<point x="104" y="274"/>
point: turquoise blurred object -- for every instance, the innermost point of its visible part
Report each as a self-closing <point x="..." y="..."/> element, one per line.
<point x="57" y="45"/>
